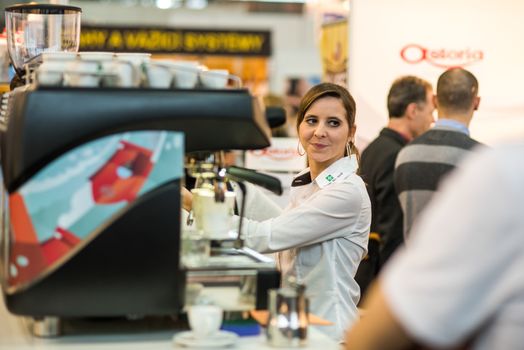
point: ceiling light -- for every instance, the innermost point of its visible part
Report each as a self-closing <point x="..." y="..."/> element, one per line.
<point x="164" y="4"/>
<point x="196" y="4"/>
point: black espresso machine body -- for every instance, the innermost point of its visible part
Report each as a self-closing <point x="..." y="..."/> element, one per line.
<point x="91" y="193"/>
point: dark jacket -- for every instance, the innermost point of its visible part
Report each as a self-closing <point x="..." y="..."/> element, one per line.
<point x="377" y="166"/>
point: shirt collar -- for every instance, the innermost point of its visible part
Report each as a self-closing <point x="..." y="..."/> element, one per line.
<point x="337" y="171"/>
<point x="450" y="123"/>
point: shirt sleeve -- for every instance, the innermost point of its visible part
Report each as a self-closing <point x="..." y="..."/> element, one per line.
<point x="463" y="258"/>
<point x="258" y="205"/>
<point x="335" y="211"/>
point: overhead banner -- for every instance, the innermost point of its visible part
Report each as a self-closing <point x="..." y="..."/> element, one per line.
<point x="160" y="40"/>
<point x="388" y="39"/>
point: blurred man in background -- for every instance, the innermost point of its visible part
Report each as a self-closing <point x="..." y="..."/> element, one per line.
<point x="426" y="160"/>
<point x="410" y="109"/>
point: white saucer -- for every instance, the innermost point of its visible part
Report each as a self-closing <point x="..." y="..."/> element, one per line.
<point x="217" y="340"/>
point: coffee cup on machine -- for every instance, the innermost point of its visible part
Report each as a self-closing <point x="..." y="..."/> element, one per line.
<point x="138" y="62"/>
<point x="214" y="78"/>
<point x="158" y="75"/>
<point x="212" y="217"/>
<point x="51" y="71"/>
<point x="185" y="73"/>
<point x="79" y="73"/>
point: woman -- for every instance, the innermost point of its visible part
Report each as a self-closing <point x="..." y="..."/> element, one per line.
<point x="322" y="235"/>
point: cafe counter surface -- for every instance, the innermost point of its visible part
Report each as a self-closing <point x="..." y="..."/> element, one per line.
<point x="123" y="334"/>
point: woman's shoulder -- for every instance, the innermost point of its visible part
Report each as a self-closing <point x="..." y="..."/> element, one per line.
<point x="350" y="186"/>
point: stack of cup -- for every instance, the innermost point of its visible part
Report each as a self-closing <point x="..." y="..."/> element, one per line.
<point x="51" y="71"/>
<point x="214" y="78"/>
<point x="185" y="74"/>
<point x="130" y="68"/>
<point x="83" y="72"/>
<point x="164" y="74"/>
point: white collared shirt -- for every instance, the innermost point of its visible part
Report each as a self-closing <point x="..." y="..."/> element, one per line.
<point x="322" y="236"/>
<point x="460" y="278"/>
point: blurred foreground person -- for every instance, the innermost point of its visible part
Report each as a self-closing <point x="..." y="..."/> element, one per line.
<point x="322" y="235"/>
<point x="458" y="284"/>
<point x="425" y="161"/>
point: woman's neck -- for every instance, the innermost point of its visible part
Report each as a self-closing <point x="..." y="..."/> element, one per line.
<point x="314" y="172"/>
<point x="316" y="168"/>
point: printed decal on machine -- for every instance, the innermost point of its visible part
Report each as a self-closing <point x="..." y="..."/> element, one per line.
<point x="66" y="203"/>
<point x="441" y="57"/>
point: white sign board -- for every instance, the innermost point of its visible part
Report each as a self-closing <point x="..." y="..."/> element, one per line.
<point x="281" y="156"/>
<point x="392" y="38"/>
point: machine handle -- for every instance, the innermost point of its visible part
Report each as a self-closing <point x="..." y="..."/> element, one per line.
<point x="268" y="182"/>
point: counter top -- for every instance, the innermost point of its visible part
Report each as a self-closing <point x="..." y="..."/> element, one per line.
<point x="122" y="334"/>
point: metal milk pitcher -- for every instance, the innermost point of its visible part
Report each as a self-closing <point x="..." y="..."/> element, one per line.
<point x="288" y="317"/>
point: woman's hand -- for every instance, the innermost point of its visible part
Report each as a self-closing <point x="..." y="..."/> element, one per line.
<point x="187" y="199"/>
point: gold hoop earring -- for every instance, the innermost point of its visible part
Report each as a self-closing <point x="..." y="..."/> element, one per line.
<point x="298" y="149"/>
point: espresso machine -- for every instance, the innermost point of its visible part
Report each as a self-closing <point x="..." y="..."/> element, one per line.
<point x="90" y="197"/>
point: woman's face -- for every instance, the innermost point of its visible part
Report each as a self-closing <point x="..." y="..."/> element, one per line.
<point x="324" y="132"/>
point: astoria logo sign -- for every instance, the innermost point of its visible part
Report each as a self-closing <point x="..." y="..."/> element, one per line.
<point x="440" y="57"/>
<point x="279" y="154"/>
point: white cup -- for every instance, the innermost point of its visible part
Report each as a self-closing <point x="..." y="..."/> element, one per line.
<point x="136" y="58"/>
<point x="212" y="217"/>
<point x="158" y="75"/>
<point x="138" y="61"/>
<point x="50" y="73"/>
<point x="104" y="60"/>
<point x="186" y="73"/>
<point x="121" y="74"/>
<point x="82" y="73"/>
<point x="214" y="78"/>
<point x="204" y="320"/>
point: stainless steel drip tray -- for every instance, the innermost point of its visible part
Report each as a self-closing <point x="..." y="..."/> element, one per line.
<point x="232" y="258"/>
<point x="243" y="274"/>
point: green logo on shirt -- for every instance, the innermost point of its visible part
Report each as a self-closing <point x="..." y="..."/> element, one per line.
<point x="330" y="178"/>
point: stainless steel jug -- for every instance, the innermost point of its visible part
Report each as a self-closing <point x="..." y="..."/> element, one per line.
<point x="288" y="317"/>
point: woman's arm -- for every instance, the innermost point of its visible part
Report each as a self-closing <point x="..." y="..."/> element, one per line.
<point x="258" y="205"/>
<point x="339" y="212"/>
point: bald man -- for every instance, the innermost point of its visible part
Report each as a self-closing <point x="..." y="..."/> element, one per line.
<point x="424" y="162"/>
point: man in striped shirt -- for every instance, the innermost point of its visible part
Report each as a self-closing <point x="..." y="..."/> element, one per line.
<point x="422" y="164"/>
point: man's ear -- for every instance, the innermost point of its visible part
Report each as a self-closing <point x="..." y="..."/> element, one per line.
<point x="411" y="110"/>
<point x="476" y="103"/>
